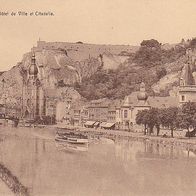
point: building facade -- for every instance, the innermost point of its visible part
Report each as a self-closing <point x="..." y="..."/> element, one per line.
<point x="111" y="117"/>
<point x="126" y="113"/>
<point x="37" y="101"/>
<point x="32" y="93"/>
<point x="63" y="109"/>
<point x="80" y="116"/>
<point x="98" y="110"/>
<point x="137" y="101"/>
<point x="187" y="87"/>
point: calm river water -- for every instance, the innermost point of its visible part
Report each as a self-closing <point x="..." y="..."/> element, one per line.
<point x="107" y="168"/>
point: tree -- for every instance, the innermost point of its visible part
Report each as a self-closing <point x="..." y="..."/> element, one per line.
<point x="161" y="72"/>
<point x="152" y="43"/>
<point x="187" y="115"/>
<point x="149" y="118"/>
<point x="158" y="116"/>
<point x="193" y="43"/>
<point x="149" y="53"/>
<point x="168" y="118"/>
<point x="153" y="120"/>
<point x="142" y="118"/>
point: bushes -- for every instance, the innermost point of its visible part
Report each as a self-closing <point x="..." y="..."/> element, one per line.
<point x="148" y="61"/>
<point x="115" y="84"/>
<point x="161" y="72"/>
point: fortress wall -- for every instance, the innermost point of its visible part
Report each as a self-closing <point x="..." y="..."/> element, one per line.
<point x="91" y="48"/>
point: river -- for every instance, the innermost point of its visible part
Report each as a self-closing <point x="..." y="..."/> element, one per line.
<point x="123" y="167"/>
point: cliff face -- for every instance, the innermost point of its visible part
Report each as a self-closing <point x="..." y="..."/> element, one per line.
<point x="60" y="65"/>
<point x="11" y="87"/>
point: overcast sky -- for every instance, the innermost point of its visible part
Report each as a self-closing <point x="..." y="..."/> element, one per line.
<point x="93" y="21"/>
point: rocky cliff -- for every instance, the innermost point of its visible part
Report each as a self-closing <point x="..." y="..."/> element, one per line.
<point x="60" y="66"/>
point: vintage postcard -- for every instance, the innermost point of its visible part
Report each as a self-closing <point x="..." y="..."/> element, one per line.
<point x="98" y="98"/>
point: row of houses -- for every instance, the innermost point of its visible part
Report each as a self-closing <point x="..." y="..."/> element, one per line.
<point x="110" y="114"/>
<point x="122" y="114"/>
<point x="93" y="114"/>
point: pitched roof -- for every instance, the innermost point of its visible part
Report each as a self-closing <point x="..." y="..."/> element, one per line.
<point x="130" y="100"/>
<point x="142" y="103"/>
<point x="162" y="102"/>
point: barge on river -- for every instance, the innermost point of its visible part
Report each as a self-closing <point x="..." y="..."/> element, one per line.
<point x="71" y="137"/>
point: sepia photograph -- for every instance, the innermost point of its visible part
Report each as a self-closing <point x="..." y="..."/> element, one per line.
<point x="97" y="98"/>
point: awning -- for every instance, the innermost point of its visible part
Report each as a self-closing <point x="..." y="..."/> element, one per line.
<point x="102" y="124"/>
<point x="108" y="125"/>
<point x="96" y="124"/>
<point x="89" y="123"/>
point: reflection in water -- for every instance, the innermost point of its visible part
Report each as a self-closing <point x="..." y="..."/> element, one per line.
<point x="163" y="166"/>
<point x="123" y="167"/>
<point x="64" y="146"/>
<point x="133" y="149"/>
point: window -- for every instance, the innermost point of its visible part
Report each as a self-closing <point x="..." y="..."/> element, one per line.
<point x="125" y="113"/>
<point x="183" y="98"/>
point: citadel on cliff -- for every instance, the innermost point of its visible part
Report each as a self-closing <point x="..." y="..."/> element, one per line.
<point x="48" y="72"/>
<point x="41" y="102"/>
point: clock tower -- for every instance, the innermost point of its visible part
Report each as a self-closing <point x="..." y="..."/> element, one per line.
<point x="32" y="91"/>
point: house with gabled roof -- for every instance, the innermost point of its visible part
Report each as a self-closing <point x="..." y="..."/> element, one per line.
<point x="137" y="101"/>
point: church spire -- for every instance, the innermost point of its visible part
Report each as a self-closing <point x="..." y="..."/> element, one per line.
<point x="187" y="77"/>
<point x="33" y="70"/>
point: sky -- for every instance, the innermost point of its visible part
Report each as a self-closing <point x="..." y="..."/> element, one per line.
<point x="92" y="21"/>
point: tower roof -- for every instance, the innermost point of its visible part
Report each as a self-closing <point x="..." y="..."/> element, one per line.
<point x="188" y="76"/>
<point x="33" y="70"/>
<point x="142" y="95"/>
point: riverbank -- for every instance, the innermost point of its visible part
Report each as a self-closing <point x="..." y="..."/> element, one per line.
<point x="179" y="140"/>
<point x="49" y="132"/>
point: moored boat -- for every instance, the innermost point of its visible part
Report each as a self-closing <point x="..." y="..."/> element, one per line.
<point x="60" y="137"/>
<point x="75" y="140"/>
<point x="71" y="137"/>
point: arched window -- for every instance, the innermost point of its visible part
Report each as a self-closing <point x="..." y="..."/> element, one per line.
<point x="125" y="113"/>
